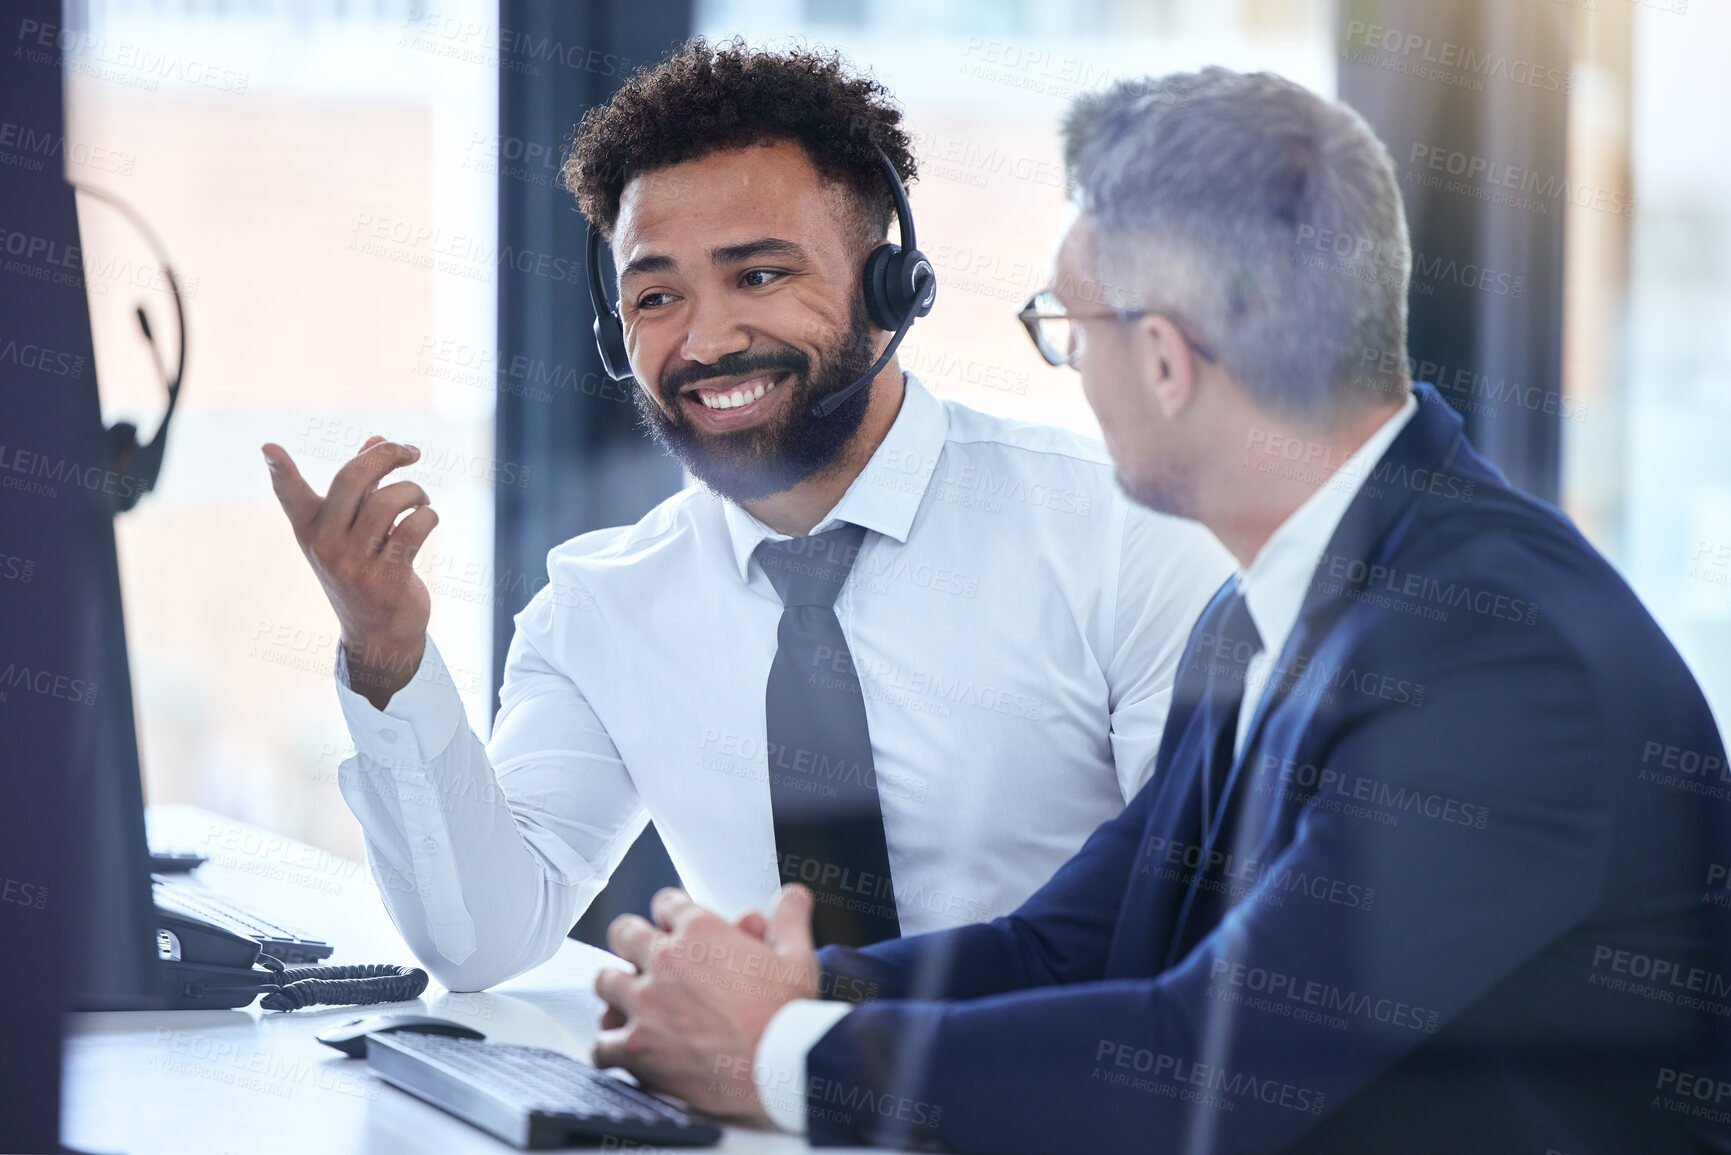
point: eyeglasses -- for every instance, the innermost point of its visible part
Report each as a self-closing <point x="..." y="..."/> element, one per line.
<point x="1054" y="331"/>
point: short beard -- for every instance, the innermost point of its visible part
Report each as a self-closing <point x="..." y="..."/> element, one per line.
<point x="764" y="460"/>
<point x="1162" y="496"/>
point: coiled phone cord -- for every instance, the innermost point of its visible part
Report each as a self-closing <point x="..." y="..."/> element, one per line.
<point x="299" y="987"/>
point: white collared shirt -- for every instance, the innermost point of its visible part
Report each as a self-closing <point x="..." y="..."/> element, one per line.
<point x="1278" y="576"/>
<point x="1274" y="585"/>
<point x="1016" y="623"/>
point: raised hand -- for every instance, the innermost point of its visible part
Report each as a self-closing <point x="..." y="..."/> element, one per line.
<point x="363" y="557"/>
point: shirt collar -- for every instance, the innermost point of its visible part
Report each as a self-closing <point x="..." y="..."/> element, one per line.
<point x="1275" y="583"/>
<point x="888" y="491"/>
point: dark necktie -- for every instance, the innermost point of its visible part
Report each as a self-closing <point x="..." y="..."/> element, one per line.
<point x="1224" y="641"/>
<point x="1235" y="642"/>
<point x="829" y="826"/>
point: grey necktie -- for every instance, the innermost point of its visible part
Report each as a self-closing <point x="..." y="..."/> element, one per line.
<point x="829" y="826"/>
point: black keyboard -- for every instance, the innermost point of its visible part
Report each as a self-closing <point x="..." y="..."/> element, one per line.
<point x="190" y="899"/>
<point x="529" y="1096"/>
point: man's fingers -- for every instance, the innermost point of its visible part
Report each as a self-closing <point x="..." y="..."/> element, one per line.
<point x="670" y="903"/>
<point x="612" y="1020"/>
<point x="753" y="923"/>
<point x="297" y="498"/>
<point x="618" y="989"/>
<point x="610" y="1049"/>
<point x="790" y="920"/>
<point x="357" y="478"/>
<point x="633" y="940"/>
<point x="381" y="507"/>
<point x="405" y="540"/>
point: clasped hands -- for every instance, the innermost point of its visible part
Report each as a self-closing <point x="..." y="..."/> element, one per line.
<point x="689" y="1021"/>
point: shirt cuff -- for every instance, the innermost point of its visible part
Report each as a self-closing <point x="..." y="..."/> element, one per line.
<point x="416" y="724"/>
<point x="779" y="1069"/>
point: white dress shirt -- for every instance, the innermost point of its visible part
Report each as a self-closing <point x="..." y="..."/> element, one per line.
<point x="1274" y="587"/>
<point x="1279" y="575"/>
<point x="1016" y="623"/>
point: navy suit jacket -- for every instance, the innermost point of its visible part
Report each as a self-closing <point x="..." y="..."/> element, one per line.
<point x="1466" y="891"/>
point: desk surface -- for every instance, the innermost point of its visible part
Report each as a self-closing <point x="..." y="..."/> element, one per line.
<point x="255" y="1082"/>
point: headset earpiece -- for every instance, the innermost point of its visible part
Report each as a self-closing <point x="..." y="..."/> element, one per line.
<point x="610" y="342"/>
<point x="898" y="278"/>
<point x="893" y="278"/>
<point x="609" y="329"/>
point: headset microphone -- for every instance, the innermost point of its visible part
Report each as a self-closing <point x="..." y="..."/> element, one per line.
<point x="900" y="285"/>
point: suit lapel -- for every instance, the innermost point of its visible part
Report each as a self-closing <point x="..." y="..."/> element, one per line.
<point x="1430" y="444"/>
<point x="1155" y="891"/>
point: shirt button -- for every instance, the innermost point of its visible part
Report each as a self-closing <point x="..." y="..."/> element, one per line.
<point x="429" y="843"/>
<point x="388" y="735"/>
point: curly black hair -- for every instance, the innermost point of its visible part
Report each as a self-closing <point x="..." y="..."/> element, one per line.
<point x="705" y="98"/>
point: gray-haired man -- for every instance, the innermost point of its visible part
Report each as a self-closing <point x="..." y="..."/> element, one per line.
<point x="1408" y="843"/>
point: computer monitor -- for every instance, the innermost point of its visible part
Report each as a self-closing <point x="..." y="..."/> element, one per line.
<point x="113" y="964"/>
<point x="75" y="927"/>
<point x="69" y="474"/>
<point x="65" y="683"/>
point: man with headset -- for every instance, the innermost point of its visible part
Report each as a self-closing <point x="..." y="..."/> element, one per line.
<point x="899" y="650"/>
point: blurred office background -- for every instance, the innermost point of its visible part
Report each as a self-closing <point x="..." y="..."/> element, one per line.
<point x="361" y="198"/>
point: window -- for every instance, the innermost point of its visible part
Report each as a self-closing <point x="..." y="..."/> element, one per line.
<point x="1646" y="470"/>
<point x="321" y="174"/>
<point x="984" y="88"/>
